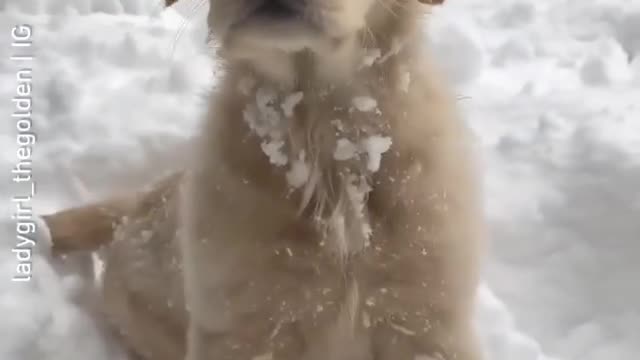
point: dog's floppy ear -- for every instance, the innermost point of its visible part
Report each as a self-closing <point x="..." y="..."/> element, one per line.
<point x="428" y="2"/>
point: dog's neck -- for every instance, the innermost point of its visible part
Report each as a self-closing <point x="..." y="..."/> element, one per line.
<point x="329" y="131"/>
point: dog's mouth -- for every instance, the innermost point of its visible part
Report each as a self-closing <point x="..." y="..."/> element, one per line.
<point x="274" y="24"/>
<point x="279" y="10"/>
<point x="274" y="13"/>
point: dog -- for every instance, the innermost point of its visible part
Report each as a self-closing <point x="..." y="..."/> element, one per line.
<point x="331" y="209"/>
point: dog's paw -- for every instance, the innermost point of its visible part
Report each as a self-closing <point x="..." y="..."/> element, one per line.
<point x="42" y="238"/>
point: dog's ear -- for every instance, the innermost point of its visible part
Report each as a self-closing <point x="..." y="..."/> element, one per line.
<point x="432" y="2"/>
<point x="170" y="2"/>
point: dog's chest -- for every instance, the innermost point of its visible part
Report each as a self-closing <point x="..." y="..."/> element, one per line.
<point x="318" y="149"/>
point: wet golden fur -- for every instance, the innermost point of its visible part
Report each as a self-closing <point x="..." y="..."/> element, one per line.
<point x="274" y="271"/>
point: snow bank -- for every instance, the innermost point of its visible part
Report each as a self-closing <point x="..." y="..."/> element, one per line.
<point x="39" y="320"/>
<point x="550" y="88"/>
<point x="556" y="111"/>
<point x="37" y="7"/>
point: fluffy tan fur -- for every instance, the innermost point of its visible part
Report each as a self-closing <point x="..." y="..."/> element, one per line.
<point x="353" y="260"/>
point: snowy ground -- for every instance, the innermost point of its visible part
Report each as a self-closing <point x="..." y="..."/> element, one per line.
<point x="551" y="88"/>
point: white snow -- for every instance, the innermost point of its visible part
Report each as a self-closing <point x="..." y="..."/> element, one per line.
<point x="345" y="150"/>
<point x="266" y="120"/>
<point x="550" y="88"/>
<point x="274" y="150"/>
<point x="365" y="103"/>
<point x="608" y="64"/>
<point x="370" y="57"/>
<point x="375" y="146"/>
<point x="290" y="102"/>
<point x="298" y="174"/>
<point x="268" y="113"/>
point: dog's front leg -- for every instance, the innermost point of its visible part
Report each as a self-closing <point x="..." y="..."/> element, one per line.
<point x="227" y="224"/>
<point x="430" y="231"/>
<point x="211" y="252"/>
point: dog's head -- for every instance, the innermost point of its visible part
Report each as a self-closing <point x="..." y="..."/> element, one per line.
<point x="272" y="31"/>
<point x="293" y="25"/>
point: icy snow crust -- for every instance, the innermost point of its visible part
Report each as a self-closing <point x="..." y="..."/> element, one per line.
<point x="551" y="88"/>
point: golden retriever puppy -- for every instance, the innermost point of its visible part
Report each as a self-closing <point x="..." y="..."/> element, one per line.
<point x="331" y="210"/>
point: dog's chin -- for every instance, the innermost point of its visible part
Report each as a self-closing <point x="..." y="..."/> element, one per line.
<point x="269" y="39"/>
<point x="279" y="29"/>
<point x="264" y="34"/>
